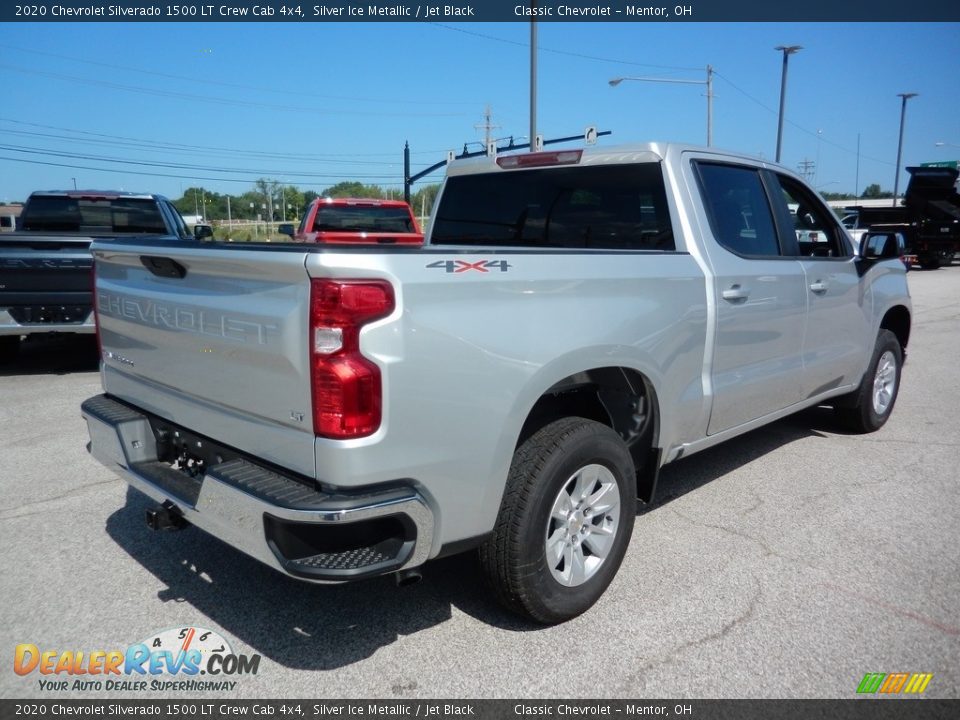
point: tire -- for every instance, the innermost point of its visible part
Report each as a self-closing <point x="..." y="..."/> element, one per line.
<point x="549" y="558"/>
<point x="870" y="406"/>
<point x="9" y="348"/>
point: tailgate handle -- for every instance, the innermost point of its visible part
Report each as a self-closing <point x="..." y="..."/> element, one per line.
<point x="163" y="266"/>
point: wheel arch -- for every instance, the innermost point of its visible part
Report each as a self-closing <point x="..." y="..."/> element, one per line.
<point x="897" y="321"/>
<point x="621" y="398"/>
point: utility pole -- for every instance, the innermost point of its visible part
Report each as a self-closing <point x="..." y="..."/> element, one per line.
<point x="807" y="169"/>
<point x="709" y="106"/>
<point x="856" y="182"/>
<point x="487" y="125"/>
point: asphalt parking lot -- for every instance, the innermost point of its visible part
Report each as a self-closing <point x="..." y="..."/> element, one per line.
<point x="786" y="563"/>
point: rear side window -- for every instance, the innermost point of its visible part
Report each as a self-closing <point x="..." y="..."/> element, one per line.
<point x="610" y="207"/>
<point x="739" y="211"/>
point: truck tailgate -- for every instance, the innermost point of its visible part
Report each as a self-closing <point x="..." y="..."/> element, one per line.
<point x="45" y="279"/>
<point x="212" y="339"/>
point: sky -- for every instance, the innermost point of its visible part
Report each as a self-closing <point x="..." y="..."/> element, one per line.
<point x="159" y="107"/>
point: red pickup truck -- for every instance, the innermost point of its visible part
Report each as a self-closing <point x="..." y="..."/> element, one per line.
<point x="357" y="220"/>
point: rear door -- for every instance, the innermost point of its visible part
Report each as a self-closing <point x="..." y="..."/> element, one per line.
<point x="760" y="296"/>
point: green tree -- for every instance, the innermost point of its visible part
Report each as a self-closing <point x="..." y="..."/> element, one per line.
<point x="200" y="201"/>
<point x="352" y="188"/>
<point x="422" y="200"/>
<point x="874" y="192"/>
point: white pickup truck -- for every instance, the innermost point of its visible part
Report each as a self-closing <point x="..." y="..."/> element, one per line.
<point x="574" y="321"/>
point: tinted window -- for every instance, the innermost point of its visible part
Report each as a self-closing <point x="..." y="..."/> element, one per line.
<point x="613" y="207"/>
<point x="814" y="225"/>
<point x="109" y="215"/>
<point x="739" y="212"/>
<point x="362" y="219"/>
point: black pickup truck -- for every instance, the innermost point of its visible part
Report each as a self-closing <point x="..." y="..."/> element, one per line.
<point x="45" y="266"/>
<point x="929" y="218"/>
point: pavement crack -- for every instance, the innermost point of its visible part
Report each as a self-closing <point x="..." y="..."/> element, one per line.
<point x="7" y="513"/>
<point x="766" y="549"/>
<point x="725" y="630"/>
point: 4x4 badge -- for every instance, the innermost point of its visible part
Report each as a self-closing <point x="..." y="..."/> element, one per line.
<point x="463" y="266"/>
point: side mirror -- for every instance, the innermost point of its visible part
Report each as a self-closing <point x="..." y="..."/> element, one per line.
<point x="881" y="245"/>
<point x="201" y="232"/>
<point x="285" y="229"/>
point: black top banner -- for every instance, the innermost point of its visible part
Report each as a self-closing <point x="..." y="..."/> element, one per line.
<point x="291" y="11"/>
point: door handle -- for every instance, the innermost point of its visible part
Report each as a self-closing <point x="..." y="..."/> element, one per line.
<point x="819" y="287"/>
<point x="735" y="293"/>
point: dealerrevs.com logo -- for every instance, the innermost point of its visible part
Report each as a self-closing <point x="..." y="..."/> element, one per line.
<point x="179" y="659"/>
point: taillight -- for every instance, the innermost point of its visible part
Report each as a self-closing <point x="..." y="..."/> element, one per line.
<point x="346" y="386"/>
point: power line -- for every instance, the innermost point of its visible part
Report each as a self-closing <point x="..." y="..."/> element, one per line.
<point x="176" y="166"/>
<point x="166" y="145"/>
<point x="220" y="101"/>
<point x="249" y="181"/>
<point x="193" y="151"/>
<point x="811" y="133"/>
<point x="582" y="56"/>
<point x="221" y="83"/>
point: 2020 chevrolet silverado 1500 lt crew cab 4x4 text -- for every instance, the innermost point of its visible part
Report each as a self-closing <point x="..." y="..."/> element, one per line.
<point x="575" y="320"/>
<point x="356" y="220"/>
<point x="45" y="283"/>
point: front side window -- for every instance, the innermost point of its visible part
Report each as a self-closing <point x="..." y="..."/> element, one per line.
<point x="610" y="207"/>
<point x="739" y="212"/>
<point x="816" y="231"/>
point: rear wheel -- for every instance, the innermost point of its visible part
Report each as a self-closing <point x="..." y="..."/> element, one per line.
<point x="870" y="406"/>
<point x="565" y="521"/>
<point x="9" y="348"/>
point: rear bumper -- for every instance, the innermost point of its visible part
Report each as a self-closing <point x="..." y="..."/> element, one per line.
<point x="9" y="325"/>
<point x="273" y="517"/>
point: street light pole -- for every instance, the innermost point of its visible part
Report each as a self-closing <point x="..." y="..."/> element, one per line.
<point x="533" y="76"/>
<point x="708" y="82"/>
<point x="787" y="50"/>
<point x="903" y="115"/>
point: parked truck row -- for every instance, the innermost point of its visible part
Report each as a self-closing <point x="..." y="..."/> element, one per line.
<point x="572" y="322"/>
<point x="45" y="266"/>
<point x="928" y="219"/>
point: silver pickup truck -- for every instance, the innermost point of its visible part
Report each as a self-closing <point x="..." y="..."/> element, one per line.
<point x="574" y="321"/>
